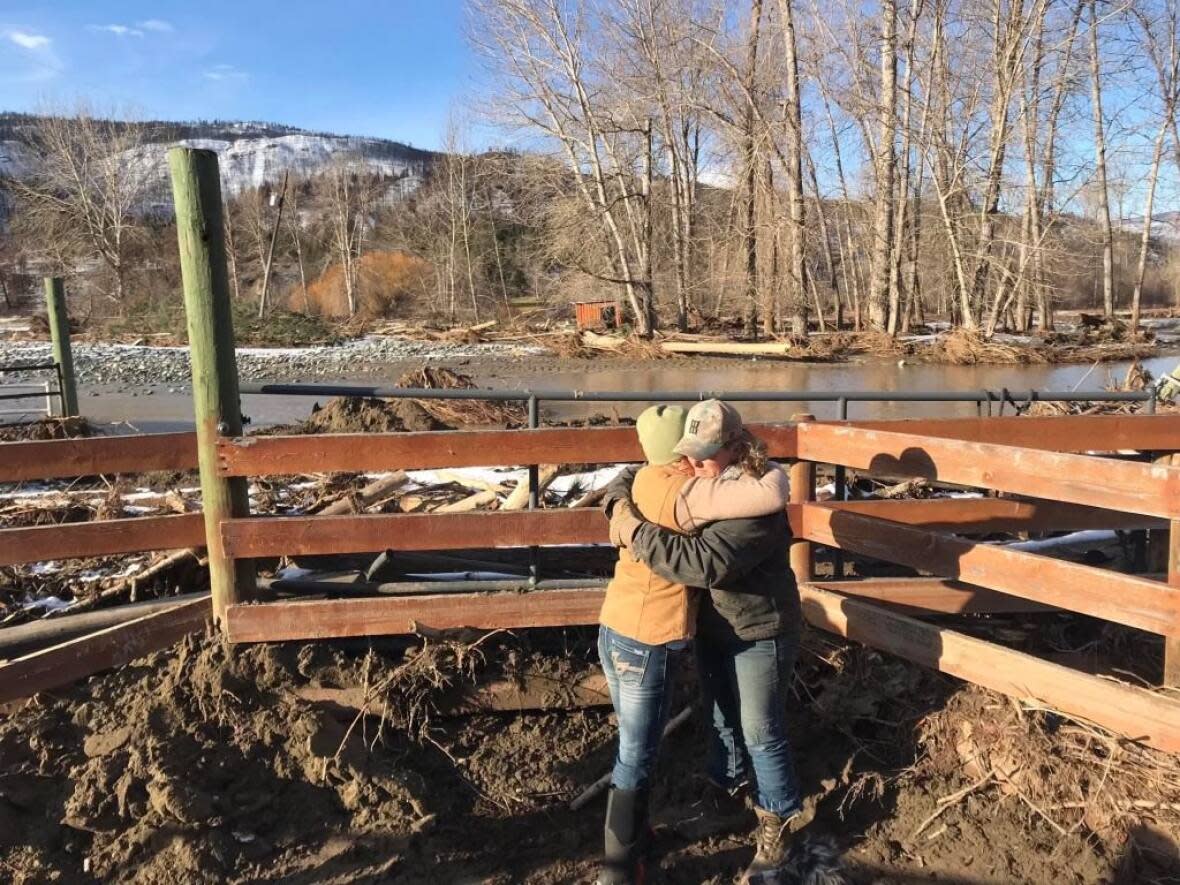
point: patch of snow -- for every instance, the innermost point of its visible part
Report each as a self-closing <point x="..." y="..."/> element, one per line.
<point x="47" y="604"/>
<point x="422" y="479"/>
<point x="587" y="482"/>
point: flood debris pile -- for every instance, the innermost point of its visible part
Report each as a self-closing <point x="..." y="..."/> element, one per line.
<point x="43" y="429"/>
<point x="75" y="585"/>
<point x="1089" y="340"/>
<point x="963" y="347"/>
<point x="459" y="413"/>
<point x="354" y="414"/>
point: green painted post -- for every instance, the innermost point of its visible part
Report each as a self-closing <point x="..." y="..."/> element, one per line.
<point x="59" y="332"/>
<point x="196" y="191"/>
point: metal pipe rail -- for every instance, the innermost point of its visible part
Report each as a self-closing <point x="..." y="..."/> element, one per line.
<point x="46" y="392"/>
<point x="833" y="396"/>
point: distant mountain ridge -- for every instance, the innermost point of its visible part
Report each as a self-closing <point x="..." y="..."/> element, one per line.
<point x="251" y="153"/>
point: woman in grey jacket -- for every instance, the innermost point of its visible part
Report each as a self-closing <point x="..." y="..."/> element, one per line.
<point x="747" y="630"/>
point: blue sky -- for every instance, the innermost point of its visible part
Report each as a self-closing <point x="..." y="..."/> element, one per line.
<point x="389" y="68"/>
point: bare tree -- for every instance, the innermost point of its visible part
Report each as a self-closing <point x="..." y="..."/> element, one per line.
<point x="1104" y="222"/>
<point x="348" y="197"/>
<point x="92" y="178"/>
<point x="792" y="114"/>
<point x="886" y="165"/>
<point x="1166" y="62"/>
<point x="268" y="262"/>
<point x="542" y="53"/>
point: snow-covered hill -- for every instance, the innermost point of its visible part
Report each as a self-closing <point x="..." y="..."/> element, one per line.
<point x="250" y="154"/>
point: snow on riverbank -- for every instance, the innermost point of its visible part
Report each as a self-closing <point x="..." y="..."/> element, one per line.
<point x="134" y="364"/>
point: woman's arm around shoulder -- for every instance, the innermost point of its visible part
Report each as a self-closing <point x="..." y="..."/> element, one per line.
<point x="707" y="499"/>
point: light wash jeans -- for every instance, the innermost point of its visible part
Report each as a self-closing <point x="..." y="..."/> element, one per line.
<point x="640" y="679"/>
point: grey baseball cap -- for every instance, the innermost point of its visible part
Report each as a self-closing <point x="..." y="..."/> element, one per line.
<point x="709" y="426"/>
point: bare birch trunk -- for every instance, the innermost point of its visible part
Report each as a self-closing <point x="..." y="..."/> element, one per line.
<point x="1100" y="161"/>
<point x="886" y="170"/>
<point x="796" y="238"/>
<point x="750" y="158"/>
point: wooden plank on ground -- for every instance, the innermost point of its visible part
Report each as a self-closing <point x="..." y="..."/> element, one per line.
<point x="940" y="595"/>
<point x="1123" y="709"/>
<point x="988" y="515"/>
<point x="325" y="453"/>
<point x="384" y="616"/>
<point x="1072" y="433"/>
<point x="533" y="689"/>
<point x="304" y="535"/>
<point x="80" y="539"/>
<point x="62" y="664"/>
<point x="1149" y="489"/>
<point x="141" y="453"/>
<point x="1112" y="596"/>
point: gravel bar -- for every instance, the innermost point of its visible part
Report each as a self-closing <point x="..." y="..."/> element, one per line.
<point x="142" y="365"/>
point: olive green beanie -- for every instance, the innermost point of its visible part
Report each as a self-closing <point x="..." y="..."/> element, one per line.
<point x="660" y="429"/>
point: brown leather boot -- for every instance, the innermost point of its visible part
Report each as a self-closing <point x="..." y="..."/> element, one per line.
<point x="771" y="841"/>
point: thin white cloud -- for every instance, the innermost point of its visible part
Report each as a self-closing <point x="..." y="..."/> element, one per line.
<point x="118" y="30"/>
<point x="25" y="40"/>
<point x="34" y="62"/>
<point x="224" y="73"/>
<point x="156" y="24"/>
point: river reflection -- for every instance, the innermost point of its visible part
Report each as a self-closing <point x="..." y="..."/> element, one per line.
<point x="878" y="376"/>
<point x="162" y="410"/>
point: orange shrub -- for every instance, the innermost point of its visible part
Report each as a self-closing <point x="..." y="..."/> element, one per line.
<point x="385" y="282"/>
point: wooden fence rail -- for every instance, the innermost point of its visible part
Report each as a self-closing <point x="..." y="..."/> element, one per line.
<point x="93" y="456"/>
<point x="105" y="538"/>
<point x="1113" y="596"/>
<point x="1148" y="489"/>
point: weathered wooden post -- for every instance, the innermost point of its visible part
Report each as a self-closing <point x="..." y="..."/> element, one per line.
<point x="63" y="355"/>
<point x="802" y="475"/>
<point x="196" y="191"/>
<point x="1172" y="643"/>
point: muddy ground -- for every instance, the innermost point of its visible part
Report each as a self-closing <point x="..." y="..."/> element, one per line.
<point x="215" y="764"/>
<point x="205" y="764"/>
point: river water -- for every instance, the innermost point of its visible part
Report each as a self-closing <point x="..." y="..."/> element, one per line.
<point x="162" y="409"/>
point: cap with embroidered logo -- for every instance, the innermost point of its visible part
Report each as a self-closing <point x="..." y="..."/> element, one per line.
<point x="710" y="425"/>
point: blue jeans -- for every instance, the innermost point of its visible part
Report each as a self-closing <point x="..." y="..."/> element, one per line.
<point x="640" y="679"/>
<point x="745" y="685"/>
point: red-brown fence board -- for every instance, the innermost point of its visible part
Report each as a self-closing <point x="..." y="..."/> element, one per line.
<point x="979" y="516"/>
<point x="1123" y="709"/>
<point x="1149" y="489"/>
<point x="1123" y="599"/>
<point x="62" y="664"/>
<point x="326" y="453"/>
<point x="306" y="535"/>
<point x="926" y="595"/>
<point x="378" y="616"/>
<point x="141" y="453"/>
<point x="81" y="539"/>
<point x="1064" y="433"/>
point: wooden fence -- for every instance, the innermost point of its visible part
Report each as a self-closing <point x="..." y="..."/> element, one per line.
<point x="1061" y="491"/>
<point x="1048" y="462"/>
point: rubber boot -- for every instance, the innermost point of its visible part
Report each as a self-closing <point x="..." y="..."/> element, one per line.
<point x="625" y="838"/>
<point x="771" y="841"/>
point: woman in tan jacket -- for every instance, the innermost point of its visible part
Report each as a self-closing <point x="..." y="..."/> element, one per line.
<point x="647" y="621"/>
